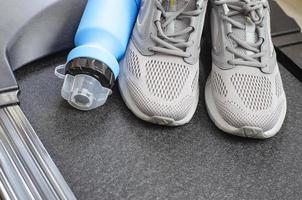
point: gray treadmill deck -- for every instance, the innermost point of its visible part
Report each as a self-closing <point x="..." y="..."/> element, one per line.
<point x="110" y="154"/>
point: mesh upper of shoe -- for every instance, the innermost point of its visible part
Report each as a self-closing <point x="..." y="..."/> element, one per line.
<point x="161" y="85"/>
<point x="244" y="96"/>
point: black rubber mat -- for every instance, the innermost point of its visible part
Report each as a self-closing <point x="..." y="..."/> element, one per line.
<point x="108" y="153"/>
<point x="282" y="24"/>
<point x="291" y="57"/>
<point x="287" y="38"/>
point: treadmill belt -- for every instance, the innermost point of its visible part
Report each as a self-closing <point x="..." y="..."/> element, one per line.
<point x="108" y="153"/>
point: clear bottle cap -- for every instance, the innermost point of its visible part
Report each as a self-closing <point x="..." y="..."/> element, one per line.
<point x="84" y="92"/>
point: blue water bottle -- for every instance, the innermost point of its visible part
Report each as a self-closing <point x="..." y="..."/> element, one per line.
<point x="101" y="41"/>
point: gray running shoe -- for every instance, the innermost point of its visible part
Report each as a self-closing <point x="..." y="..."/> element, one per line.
<point x="244" y="92"/>
<point x="159" y="74"/>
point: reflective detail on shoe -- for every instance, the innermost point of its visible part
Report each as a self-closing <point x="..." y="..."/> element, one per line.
<point x="252" y="132"/>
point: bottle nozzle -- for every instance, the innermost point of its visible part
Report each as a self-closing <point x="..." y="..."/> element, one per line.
<point x="84" y="92"/>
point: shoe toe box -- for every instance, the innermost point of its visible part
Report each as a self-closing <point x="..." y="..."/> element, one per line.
<point x="161" y="87"/>
<point x="246" y="99"/>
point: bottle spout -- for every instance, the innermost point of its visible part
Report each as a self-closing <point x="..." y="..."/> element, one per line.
<point x="84" y="92"/>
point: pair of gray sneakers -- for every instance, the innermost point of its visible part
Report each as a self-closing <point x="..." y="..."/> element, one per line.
<point x="159" y="74"/>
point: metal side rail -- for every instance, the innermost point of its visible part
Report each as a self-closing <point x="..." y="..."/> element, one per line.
<point x="26" y="169"/>
<point x="29" y="32"/>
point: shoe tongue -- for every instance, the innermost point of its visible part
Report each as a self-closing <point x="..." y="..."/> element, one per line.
<point x="178" y="24"/>
<point x="173" y="5"/>
<point x="248" y="34"/>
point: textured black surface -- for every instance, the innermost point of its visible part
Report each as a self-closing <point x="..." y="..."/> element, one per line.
<point x="287" y="40"/>
<point x="110" y="154"/>
<point x="291" y="57"/>
<point x="282" y="24"/>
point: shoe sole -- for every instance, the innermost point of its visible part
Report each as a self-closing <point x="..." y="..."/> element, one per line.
<point x="160" y="120"/>
<point x="250" y="132"/>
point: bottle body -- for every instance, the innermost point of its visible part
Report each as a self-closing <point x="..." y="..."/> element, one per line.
<point x="104" y="31"/>
<point x="101" y="41"/>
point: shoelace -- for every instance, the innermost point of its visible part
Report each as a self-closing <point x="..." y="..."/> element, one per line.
<point x="252" y="10"/>
<point x="168" y="43"/>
